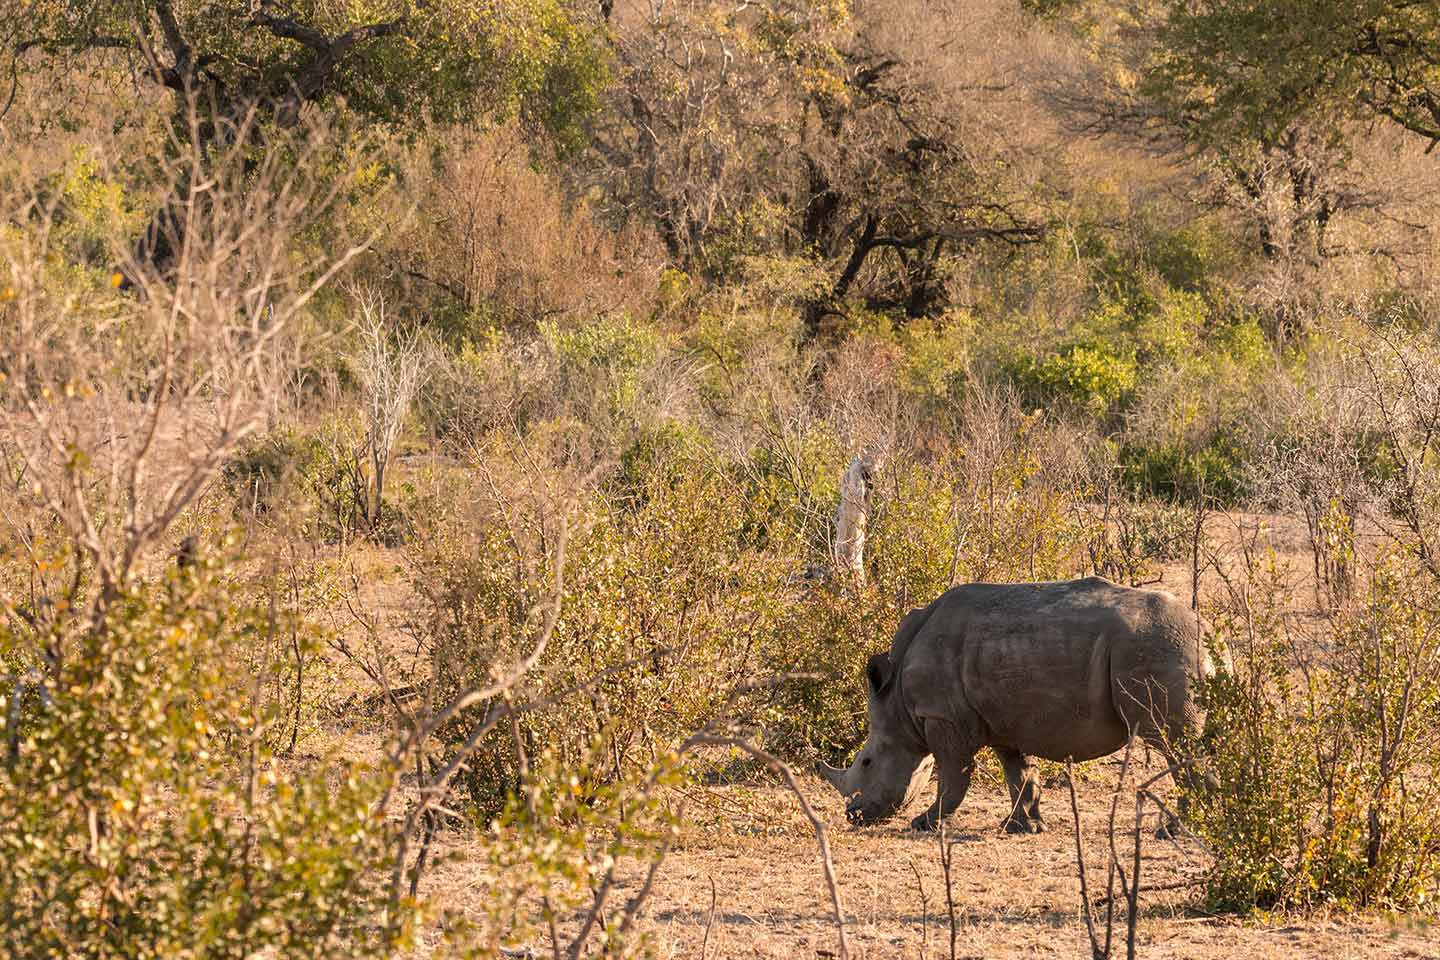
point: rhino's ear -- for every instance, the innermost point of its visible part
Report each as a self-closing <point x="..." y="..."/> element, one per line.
<point x="879" y="672"/>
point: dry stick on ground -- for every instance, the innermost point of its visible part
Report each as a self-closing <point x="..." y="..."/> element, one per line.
<point x="1129" y="886"/>
<point x="1098" y="950"/>
<point x="924" y="911"/>
<point x="1143" y="793"/>
<point x="821" y="837"/>
<point x="946" y="859"/>
<point x="1114" y="870"/>
<point x="637" y="902"/>
<point x="709" y="921"/>
<point x="1159" y="887"/>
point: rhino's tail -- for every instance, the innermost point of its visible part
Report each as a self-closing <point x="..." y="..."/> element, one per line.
<point x="1206" y="650"/>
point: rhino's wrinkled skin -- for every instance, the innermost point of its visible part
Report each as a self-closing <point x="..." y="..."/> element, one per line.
<point x="1054" y="670"/>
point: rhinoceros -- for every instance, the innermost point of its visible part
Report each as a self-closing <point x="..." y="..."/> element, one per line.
<point x="1063" y="670"/>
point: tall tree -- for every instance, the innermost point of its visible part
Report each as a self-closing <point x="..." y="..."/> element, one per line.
<point x="1260" y="65"/>
<point x="1288" y="184"/>
<point x="813" y="132"/>
<point x="388" y="60"/>
<point x="1297" y="177"/>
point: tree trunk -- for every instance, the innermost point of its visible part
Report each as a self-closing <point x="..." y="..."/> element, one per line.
<point x="853" y="514"/>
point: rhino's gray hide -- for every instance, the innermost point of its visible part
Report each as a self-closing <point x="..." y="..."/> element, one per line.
<point x="1055" y="670"/>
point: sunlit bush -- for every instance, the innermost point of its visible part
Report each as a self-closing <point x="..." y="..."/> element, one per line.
<point x="146" y="812"/>
<point x="1322" y="748"/>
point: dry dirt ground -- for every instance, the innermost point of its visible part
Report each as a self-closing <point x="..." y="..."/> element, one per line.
<point x="745" y="879"/>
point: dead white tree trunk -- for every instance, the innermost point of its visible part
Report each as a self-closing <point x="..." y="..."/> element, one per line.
<point x="853" y="514"/>
<point x="389" y="370"/>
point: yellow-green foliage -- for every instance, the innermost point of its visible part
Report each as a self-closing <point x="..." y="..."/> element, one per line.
<point x="315" y="484"/>
<point x="936" y="356"/>
<point x="94" y="213"/>
<point x="1324" y="756"/>
<point x="604" y="358"/>
<point x="665" y="603"/>
<point x="145" y="814"/>
<point x="955" y="521"/>
<point x="452" y="59"/>
<point x="1093" y="377"/>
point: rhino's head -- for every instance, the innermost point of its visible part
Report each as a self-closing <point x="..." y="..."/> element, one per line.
<point x="892" y="767"/>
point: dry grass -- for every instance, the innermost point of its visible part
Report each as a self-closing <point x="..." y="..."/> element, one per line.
<point x="1015" y="896"/>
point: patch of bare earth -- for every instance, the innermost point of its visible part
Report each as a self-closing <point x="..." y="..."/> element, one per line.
<point x="745" y="881"/>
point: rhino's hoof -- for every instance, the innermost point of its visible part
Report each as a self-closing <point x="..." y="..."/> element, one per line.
<point x="924" y="823"/>
<point x="1023" y="825"/>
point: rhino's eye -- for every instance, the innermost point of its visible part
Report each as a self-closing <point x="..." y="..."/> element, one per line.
<point x="865" y="762"/>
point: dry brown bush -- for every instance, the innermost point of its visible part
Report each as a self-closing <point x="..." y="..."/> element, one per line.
<point x="119" y="408"/>
<point x="497" y="242"/>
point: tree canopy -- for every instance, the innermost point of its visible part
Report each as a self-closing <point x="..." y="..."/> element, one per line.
<point x="1262" y="65"/>
<point x="1259" y="66"/>
<point x="389" y="60"/>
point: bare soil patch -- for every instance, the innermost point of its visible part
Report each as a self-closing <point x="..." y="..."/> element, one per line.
<point x="745" y="881"/>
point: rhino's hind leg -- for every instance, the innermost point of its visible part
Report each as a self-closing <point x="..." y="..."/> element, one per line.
<point x="1158" y="706"/>
<point x="1024" y="787"/>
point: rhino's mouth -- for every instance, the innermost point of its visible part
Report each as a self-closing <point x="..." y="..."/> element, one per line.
<point x="860" y="815"/>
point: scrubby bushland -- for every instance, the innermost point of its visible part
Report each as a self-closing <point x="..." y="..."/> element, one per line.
<point x="1322" y="741"/>
<point x="696" y="585"/>
<point x="147" y="813"/>
<point x="156" y="716"/>
<point x="830" y="262"/>
<point x="143" y="709"/>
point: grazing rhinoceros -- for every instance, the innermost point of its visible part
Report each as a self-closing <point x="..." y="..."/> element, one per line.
<point x="1053" y="670"/>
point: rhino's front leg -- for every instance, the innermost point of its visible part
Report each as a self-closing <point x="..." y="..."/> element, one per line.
<point x="954" y="783"/>
<point x="954" y="766"/>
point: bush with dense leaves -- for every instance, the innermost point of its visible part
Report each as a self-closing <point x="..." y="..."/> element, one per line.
<point x="146" y="814"/>
<point x="1323" y="749"/>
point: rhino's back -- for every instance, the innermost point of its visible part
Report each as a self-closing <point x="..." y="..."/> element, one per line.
<point x="1038" y="662"/>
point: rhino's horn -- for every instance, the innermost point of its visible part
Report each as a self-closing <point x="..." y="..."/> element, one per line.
<point x="833" y="775"/>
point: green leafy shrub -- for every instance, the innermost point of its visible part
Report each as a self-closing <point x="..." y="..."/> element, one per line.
<point x="604" y="360"/>
<point x="146" y="814"/>
<point x="560" y="836"/>
<point x="936" y="358"/>
<point x="1172" y="470"/>
<point x="828" y="636"/>
<point x="1093" y="378"/>
<point x="667" y="613"/>
<point x="1322" y="750"/>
